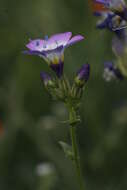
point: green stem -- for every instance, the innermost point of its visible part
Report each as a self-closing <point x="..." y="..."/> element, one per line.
<point x="73" y="121"/>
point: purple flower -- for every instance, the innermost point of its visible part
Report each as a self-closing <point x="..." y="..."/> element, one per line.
<point x="52" y="49"/>
<point x="82" y="75"/>
<point x="118" y="46"/>
<point x="117" y="6"/>
<point x="106" y="21"/>
<point x="112" y="22"/>
<point x="112" y="4"/>
<point x="111" y="72"/>
<point x="46" y="79"/>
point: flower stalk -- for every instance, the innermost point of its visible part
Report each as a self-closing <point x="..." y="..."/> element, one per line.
<point x="59" y="88"/>
<point x="73" y="120"/>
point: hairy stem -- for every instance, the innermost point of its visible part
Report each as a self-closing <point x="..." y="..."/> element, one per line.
<point x="76" y="159"/>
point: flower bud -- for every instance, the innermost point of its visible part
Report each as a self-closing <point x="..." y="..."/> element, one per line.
<point x="82" y="75"/>
<point x="46" y="79"/>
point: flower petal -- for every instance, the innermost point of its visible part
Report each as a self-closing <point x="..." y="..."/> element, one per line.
<point x="75" y="39"/>
<point x="36" y="45"/>
<point x="58" y="40"/>
<point x="30" y="52"/>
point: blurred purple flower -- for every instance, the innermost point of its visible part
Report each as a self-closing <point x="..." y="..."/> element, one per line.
<point x="117" y="46"/>
<point x="82" y="75"/>
<point x="111" y="72"/>
<point x="52" y="49"/>
<point x="119" y="7"/>
<point x="106" y="22"/>
<point x="112" y="22"/>
<point x="113" y="15"/>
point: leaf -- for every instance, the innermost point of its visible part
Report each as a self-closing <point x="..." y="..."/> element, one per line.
<point x="67" y="150"/>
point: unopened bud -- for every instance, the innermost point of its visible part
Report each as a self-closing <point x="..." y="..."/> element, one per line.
<point x="82" y="75"/>
<point x="46" y="79"/>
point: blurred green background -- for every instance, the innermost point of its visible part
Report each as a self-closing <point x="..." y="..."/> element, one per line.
<point x="30" y="122"/>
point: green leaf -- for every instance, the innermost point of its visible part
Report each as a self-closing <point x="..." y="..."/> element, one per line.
<point x="67" y="150"/>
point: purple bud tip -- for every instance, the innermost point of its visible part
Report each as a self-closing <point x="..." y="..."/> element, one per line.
<point x="82" y="75"/>
<point x="45" y="78"/>
<point x="84" y="72"/>
<point x="58" y="68"/>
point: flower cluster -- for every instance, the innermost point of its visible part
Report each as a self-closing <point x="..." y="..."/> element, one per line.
<point x="52" y="51"/>
<point x="113" y="17"/>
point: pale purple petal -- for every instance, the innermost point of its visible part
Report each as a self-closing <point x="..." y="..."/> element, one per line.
<point x="75" y="39"/>
<point x="30" y="52"/>
<point x="59" y="39"/>
<point x="36" y="45"/>
<point x="52" y="47"/>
